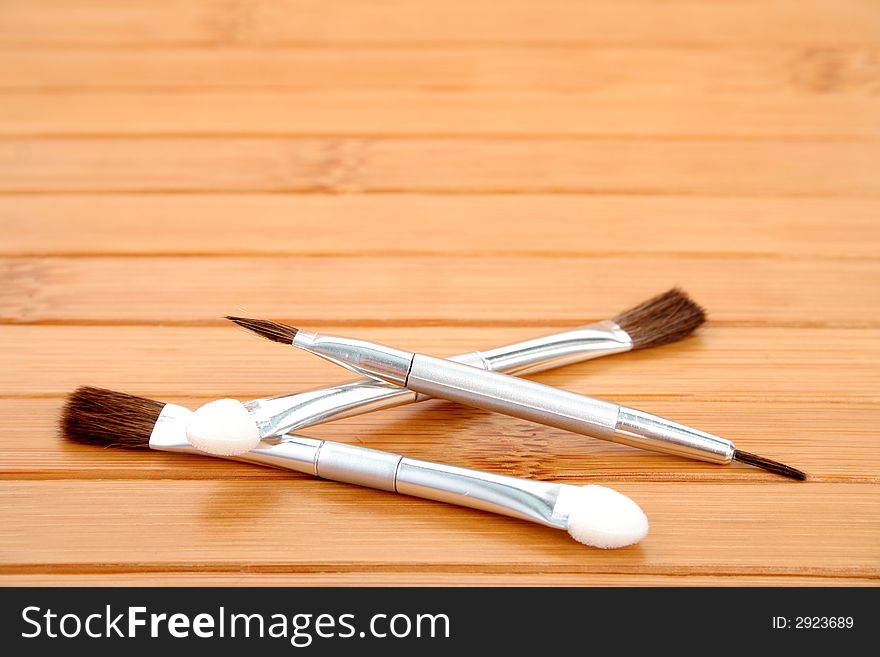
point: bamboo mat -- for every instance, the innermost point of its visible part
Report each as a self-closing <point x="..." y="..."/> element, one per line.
<point x="441" y="176"/>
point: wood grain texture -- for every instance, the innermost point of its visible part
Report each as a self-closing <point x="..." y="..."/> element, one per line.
<point x="213" y="22"/>
<point x="438" y="225"/>
<point x="439" y="113"/>
<point x="442" y="176"/>
<point x="334" y="165"/>
<point x="222" y="525"/>
<point x="452" y="290"/>
<point x="611" y="70"/>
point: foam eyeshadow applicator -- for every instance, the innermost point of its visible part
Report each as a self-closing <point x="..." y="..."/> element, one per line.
<point x="593" y="515"/>
<point x="509" y="395"/>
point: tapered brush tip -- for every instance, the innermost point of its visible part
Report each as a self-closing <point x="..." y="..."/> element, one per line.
<point x="275" y="331"/>
<point x="108" y="418"/>
<point x="666" y="318"/>
<point x="769" y="465"/>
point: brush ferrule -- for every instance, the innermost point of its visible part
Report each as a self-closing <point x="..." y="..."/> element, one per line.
<point x="365" y="358"/>
<point x="646" y="431"/>
<point x="510" y="496"/>
<point x="276" y="416"/>
<point x="557" y="349"/>
<point x="169" y="432"/>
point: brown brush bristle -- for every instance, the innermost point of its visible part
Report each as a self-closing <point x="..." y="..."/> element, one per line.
<point x="769" y="465"/>
<point x="666" y="318"/>
<point x="274" y="331"/>
<point x="112" y="419"/>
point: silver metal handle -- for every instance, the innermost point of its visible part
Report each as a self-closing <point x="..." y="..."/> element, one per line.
<point x="513" y="396"/>
<point x="639" y="429"/>
<point x="555" y="350"/>
<point x="563" y="409"/>
<point x="511" y="496"/>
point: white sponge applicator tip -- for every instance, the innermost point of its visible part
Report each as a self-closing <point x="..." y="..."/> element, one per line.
<point x="222" y="427"/>
<point x="603" y="518"/>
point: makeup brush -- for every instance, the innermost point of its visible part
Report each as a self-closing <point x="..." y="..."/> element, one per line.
<point x="528" y="400"/>
<point x="665" y="318"/>
<point x="593" y="515"/>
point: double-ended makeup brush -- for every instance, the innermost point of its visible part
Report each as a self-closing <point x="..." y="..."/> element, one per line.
<point x="662" y="319"/>
<point x="593" y="515"/>
<point x="509" y="395"/>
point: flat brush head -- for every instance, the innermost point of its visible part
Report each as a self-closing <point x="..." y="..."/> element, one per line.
<point x="108" y="418"/>
<point x="769" y="465"/>
<point x="666" y="318"/>
<point x="264" y="328"/>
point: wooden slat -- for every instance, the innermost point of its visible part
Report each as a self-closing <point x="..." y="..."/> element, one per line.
<point x="435" y="113"/>
<point x="426" y="577"/>
<point x="607" y="69"/>
<point x="838" y="444"/>
<point x="795" y="168"/>
<point x="209" y="22"/>
<point x="437" y="225"/>
<point x="784" y="529"/>
<point x="337" y="290"/>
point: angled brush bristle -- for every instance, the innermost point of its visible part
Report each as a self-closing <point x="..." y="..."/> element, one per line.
<point x="274" y="331"/>
<point x="112" y="419"/>
<point x="769" y="465"/>
<point x="666" y="318"/>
